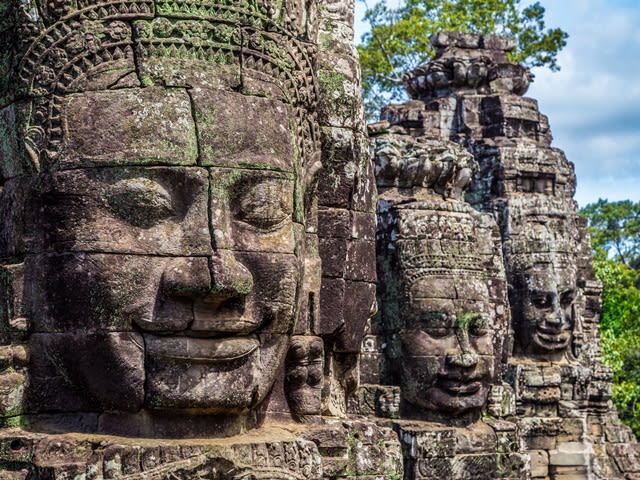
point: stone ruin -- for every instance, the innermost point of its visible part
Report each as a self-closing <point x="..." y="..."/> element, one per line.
<point x="553" y="390"/>
<point x="191" y="241"/>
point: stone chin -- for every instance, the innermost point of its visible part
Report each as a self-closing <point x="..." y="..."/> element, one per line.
<point x="467" y="398"/>
<point x="452" y="394"/>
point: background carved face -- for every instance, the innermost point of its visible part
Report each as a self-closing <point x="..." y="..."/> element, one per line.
<point x="543" y="304"/>
<point x="168" y="275"/>
<point x="447" y="344"/>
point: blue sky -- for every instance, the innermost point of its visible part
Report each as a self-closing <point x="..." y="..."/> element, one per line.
<point x="593" y="102"/>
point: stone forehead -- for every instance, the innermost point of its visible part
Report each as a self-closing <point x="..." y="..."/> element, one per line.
<point x="557" y="264"/>
<point x="205" y="127"/>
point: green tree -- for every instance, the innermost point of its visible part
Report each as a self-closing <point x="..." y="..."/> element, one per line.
<point x="615" y="228"/>
<point x="399" y="38"/>
<point x="615" y="239"/>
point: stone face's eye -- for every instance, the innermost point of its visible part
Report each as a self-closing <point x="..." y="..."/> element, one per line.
<point x="264" y="204"/>
<point x="478" y="326"/>
<point x="542" y="299"/>
<point x="141" y="202"/>
<point x="437" y="324"/>
<point x="567" y="297"/>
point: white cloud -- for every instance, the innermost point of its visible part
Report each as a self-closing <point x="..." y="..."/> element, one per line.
<point x="593" y="103"/>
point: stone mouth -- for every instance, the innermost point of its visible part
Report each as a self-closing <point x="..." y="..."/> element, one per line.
<point x="459" y="387"/>
<point x="200" y="350"/>
<point x="551" y="338"/>
<point x="235" y="318"/>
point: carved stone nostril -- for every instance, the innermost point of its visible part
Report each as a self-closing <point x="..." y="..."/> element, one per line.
<point x="229" y="277"/>
<point x="186" y="277"/>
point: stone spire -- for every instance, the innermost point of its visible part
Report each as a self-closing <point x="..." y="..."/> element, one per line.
<point x="471" y="94"/>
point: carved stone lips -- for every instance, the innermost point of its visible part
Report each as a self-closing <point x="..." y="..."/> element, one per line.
<point x="552" y="336"/>
<point x="459" y="387"/>
<point x="227" y="320"/>
<point x="200" y="350"/>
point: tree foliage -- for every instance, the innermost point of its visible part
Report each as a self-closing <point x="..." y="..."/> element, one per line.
<point x="399" y="38"/>
<point x="615" y="228"/>
<point x="615" y="240"/>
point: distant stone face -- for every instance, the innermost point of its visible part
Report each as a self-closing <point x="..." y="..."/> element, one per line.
<point x="446" y="348"/>
<point x="544" y="306"/>
<point x="442" y="289"/>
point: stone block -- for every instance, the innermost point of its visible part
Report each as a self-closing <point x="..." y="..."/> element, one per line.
<point x="363" y="226"/>
<point x="333" y="252"/>
<point x="360" y="261"/>
<point x="12" y="300"/>
<point x="359" y="298"/>
<point x="16" y="158"/>
<point x="332" y="304"/>
<point x="242" y="131"/>
<point x="570" y="454"/>
<point x="539" y="463"/>
<point x="335" y="223"/>
<point x="342" y="160"/>
<point x="110" y="128"/>
<point x="339" y="100"/>
<point x="19" y="222"/>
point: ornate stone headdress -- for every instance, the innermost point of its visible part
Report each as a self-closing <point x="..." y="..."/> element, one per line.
<point x="62" y="47"/>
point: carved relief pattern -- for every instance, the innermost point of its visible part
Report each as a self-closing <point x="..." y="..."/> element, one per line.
<point x="85" y="39"/>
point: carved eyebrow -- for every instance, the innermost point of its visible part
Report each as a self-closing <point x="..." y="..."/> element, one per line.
<point x="541" y="292"/>
<point x="140" y="201"/>
<point x="568" y="294"/>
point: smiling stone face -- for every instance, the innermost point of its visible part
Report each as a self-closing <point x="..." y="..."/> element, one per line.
<point x="448" y="358"/>
<point x="443" y="296"/>
<point x="544" y="313"/>
<point x="179" y="280"/>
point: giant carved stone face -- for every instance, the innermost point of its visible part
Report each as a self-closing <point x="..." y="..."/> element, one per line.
<point x="543" y="305"/>
<point x="168" y="275"/>
<point x="444" y="302"/>
<point x="447" y="360"/>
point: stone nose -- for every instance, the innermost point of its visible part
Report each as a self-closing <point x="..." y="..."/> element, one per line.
<point x="229" y="278"/>
<point x="187" y="277"/>
<point x="463" y="359"/>
<point x="463" y="356"/>
<point x="219" y="277"/>
<point x="556" y="316"/>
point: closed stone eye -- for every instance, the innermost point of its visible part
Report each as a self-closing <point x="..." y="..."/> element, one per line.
<point x="264" y="205"/>
<point x="141" y="202"/>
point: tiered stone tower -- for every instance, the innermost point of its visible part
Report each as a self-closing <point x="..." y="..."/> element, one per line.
<point x="471" y="94"/>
